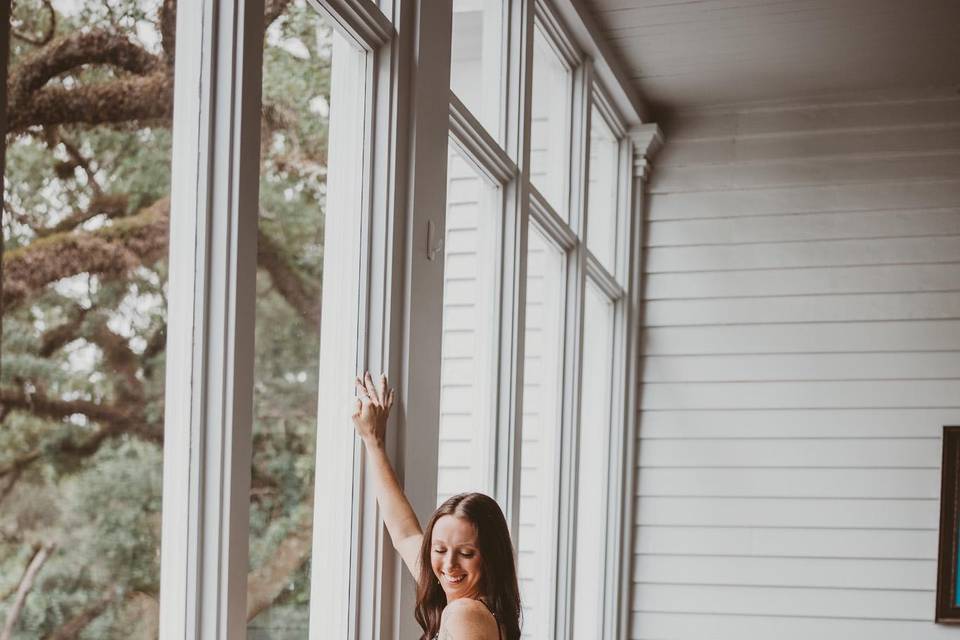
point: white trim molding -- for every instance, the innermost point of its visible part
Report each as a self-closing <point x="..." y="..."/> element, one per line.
<point x="424" y="29"/>
<point x="557" y="34"/>
<point x="647" y="139"/>
<point x="518" y="37"/>
<point x="361" y="19"/>
<point x="550" y="221"/>
<point x="479" y="144"/>
<point x="602" y="279"/>
<point x="606" y="108"/>
<point x="644" y="142"/>
<point x="212" y="285"/>
<point x="609" y="68"/>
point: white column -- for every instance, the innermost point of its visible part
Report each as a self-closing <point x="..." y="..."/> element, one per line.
<point x="209" y="382"/>
<point x="424" y="80"/>
<point x="646" y="140"/>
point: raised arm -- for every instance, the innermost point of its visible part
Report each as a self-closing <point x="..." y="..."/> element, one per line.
<point x="370" y="420"/>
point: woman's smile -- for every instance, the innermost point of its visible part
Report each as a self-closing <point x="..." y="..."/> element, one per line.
<point x="455" y="557"/>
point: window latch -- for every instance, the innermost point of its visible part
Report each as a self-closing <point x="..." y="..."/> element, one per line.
<point x="434" y="241"/>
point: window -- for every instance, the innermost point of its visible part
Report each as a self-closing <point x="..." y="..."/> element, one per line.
<point x="594" y="443"/>
<point x="476" y="60"/>
<point x="542" y="402"/>
<point x="85" y="229"/>
<point x="210" y="314"/>
<point x="309" y="173"/>
<point x="603" y="191"/>
<point x="550" y="123"/>
<point x="470" y="320"/>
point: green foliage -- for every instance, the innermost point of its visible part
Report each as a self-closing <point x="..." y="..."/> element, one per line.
<point x="102" y="507"/>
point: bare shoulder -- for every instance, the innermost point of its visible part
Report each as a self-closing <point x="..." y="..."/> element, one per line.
<point x="467" y="619"/>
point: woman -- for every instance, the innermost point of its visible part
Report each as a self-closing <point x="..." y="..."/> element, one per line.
<point x="463" y="559"/>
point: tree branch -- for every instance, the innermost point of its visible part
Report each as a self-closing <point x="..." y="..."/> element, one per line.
<point x="288" y="282"/>
<point x="168" y="29"/>
<point x="77" y="159"/>
<point x="23" y="590"/>
<point x="123" y="100"/>
<point x="110" y="251"/>
<point x="124" y="362"/>
<point x="54" y="339"/>
<point x="39" y="41"/>
<point x="112" y="206"/>
<point x="72" y="51"/>
<point x="266" y="583"/>
<point x="272" y="10"/>
<point x="114" y="422"/>
<point x="79" y="622"/>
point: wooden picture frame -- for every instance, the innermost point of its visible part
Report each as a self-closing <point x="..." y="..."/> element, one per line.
<point x="948" y="597"/>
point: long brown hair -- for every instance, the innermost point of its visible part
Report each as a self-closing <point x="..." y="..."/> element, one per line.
<point x="499" y="580"/>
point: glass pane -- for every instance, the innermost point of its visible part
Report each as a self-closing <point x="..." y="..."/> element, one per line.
<point x="309" y="167"/>
<point x="542" y="365"/>
<point x="475" y="59"/>
<point x="550" y="123"/>
<point x="602" y="192"/>
<point x="470" y="320"/>
<point x="594" y="441"/>
<point x="85" y="225"/>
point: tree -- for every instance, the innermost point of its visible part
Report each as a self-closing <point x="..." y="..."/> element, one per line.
<point x="86" y="209"/>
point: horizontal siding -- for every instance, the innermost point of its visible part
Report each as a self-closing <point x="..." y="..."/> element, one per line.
<point x="859" y="423"/>
<point x="816" y="198"/>
<point x="801" y="353"/>
<point x="694" y="624"/>
<point x="464" y="453"/>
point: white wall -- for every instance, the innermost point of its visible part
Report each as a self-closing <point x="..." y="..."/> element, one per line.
<point x="802" y="352"/>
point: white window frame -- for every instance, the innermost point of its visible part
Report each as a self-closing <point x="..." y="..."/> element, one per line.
<point x="343" y="593"/>
<point x="480" y="147"/>
<point x="208" y="421"/>
<point x="213" y="228"/>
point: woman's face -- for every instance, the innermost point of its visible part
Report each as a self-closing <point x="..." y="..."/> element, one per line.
<point x="455" y="557"/>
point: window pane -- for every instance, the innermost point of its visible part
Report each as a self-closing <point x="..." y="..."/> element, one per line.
<point x="85" y="223"/>
<point x="475" y="64"/>
<point x="310" y="177"/>
<point x="470" y="320"/>
<point x="602" y="192"/>
<point x="550" y="123"/>
<point x="543" y="362"/>
<point x="595" y="408"/>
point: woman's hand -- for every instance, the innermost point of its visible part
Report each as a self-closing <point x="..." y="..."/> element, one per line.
<point x="372" y="409"/>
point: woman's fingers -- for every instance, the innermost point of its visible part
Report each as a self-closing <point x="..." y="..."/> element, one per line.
<point x="362" y="391"/>
<point x="371" y="389"/>
<point x="382" y="389"/>
<point x="379" y="394"/>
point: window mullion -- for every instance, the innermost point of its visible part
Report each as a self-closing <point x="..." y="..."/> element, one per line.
<point x="515" y="231"/>
<point x="423" y="70"/>
<point x="479" y="144"/>
<point x="563" y="614"/>
<point x="360" y="19"/>
<point x="213" y="256"/>
<point x="618" y="556"/>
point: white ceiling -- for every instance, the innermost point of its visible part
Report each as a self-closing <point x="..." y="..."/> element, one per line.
<point x="694" y="53"/>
